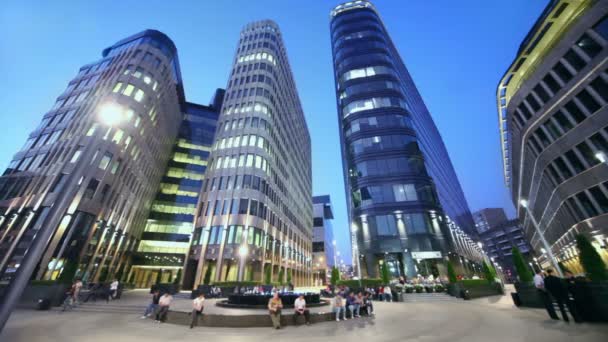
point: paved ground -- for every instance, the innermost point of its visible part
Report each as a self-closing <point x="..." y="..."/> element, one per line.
<point x="492" y="319"/>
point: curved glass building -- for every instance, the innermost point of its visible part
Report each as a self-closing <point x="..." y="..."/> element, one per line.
<point x="404" y="199"/>
<point x="254" y="219"/>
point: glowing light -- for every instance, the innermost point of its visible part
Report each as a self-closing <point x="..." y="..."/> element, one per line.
<point x="601" y="156"/>
<point x="523" y="202"/>
<point x="111" y="113"/>
<point x="243" y="251"/>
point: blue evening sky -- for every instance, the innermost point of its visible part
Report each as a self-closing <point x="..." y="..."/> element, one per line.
<point x="456" y="52"/>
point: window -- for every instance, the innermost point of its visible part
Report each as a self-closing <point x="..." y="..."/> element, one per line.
<point x="552" y="129"/>
<point x="588" y="101"/>
<point x="601" y="88"/>
<point x="365" y="72"/>
<point x="61" y="180"/>
<point x="105" y="160"/>
<point x="602" y="28"/>
<point x="243" y="206"/>
<point x="117" y="87"/>
<point x="385" y="225"/>
<point x="562" y="72"/>
<point x="415" y="223"/>
<point x="590" y="46"/>
<point x="574" y="60"/>
<point x="532" y="102"/>
<point x="563" y="168"/>
<point x="575" y="111"/>
<point x="574" y="161"/>
<point x="542" y="137"/>
<point x="128" y="90"/>
<point x="600" y="198"/>
<point x="139" y="95"/>
<point x="563" y="121"/>
<point x="587" y="204"/>
<point x="587" y="153"/>
<point x="76" y="154"/>
<point x="600" y="142"/>
<point x="91" y="188"/>
<point x="541" y="92"/>
<point x="404" y="192"/>
<point x="373" y="103"/>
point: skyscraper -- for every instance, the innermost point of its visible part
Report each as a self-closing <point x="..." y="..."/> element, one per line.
<point x="165" y="241"/>
<point x="488" y="218"/>
<point x="404" y="199"/>
<point x="553" y="122"/>
<point x="77" y="194"/>
<point x="323" y="248"/>
<point x="255" y="212"/>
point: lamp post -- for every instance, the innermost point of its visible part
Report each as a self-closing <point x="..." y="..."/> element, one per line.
<point x="243" y="252"/>
<point x="109" y="114"/>
<point x="524" y="203"/>
<point x="335" y="251"/>
<point x="601" y="156"/>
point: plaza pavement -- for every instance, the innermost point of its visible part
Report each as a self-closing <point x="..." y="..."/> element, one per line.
<point x="491" y="319"/>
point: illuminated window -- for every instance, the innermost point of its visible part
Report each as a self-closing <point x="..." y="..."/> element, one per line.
<point x="249" y="162"/>
<point x="139" y="95"/>
<point x="128" y="90"/>
<point x="105" y="160"/>
<point x="118" y="136"/>
<point x="76" y="155"/>
<point x="117" y="87"/>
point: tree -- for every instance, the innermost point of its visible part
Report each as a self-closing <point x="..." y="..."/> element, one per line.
<point x="451" y="273"/>
<point x="590" y="259"/>
<point x="207" y="277"/>
<point x="178" y="278"/>
<point x="523" y="271"/>
<point x="268" y="276"/>
<point x="281" y="275"/>
<point x="335" y="276"/>
<point x="288" y="276"/>
<point x="386" y="277"/>
<point x="487" y="271"/>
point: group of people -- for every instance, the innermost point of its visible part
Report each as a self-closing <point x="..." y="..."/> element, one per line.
<point x="98" y="290"/>
<point x="275" y="307"/>
<point x="353" y="303"/>
<point x="551" y="287"/>
<point x="160" y="304"/>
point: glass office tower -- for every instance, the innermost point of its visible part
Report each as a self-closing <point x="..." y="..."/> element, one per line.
<point x="255" y="212"/>
<point x="91" y="168"/>
<point x="553" y="112"/>
<point x="165" y="241"/>
<point x="323" y="248"/>
<point x="404" y="200"/>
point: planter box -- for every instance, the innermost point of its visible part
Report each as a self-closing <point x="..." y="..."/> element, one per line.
<point x="165" y="288"/>
<point x="528" y="295"/>
<point x="455" y="290"/>
<point x="591" y="300"/>
<point x="53" y="292"/>
<point x="487" y="290"/>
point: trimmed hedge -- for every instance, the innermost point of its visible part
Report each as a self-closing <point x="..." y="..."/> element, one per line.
<point x="474" y="282"/>
<point x="49" y="282"/>
<point x="368" y="282"/>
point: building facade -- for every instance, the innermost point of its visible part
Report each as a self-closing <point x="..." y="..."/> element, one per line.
<point x="404" y="199"/>
<point x="499" y="235"/>
<point x="91" y="169"/>
<point x="554" y="128"/>
<point x="165" y="241"/>
<point x="323" y="247"/>
<point x="488" y="218"/>
<point x="254" y="217"/>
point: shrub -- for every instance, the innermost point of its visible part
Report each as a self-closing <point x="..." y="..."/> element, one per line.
<point x="288" y="276"/>
<point x="418" y="288"/>
<point x="281" y="279"/>
<point x="67" y="273"/>
<point x="590" y="259"/>
<point x="451" y="273"/>
<point x="439" y="288"/>
<point x="523" y="271"/>
<point x="474" y="282"/>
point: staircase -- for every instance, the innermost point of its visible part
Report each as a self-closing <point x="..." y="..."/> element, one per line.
<point x="428" y="297"/>
<point x="102" y="306"/>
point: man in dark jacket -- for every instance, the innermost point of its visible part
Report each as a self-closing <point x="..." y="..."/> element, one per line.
<point x="556" y="287"/>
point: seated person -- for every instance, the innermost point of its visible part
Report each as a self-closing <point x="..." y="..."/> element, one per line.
<point x="274" y="309"/>
<point x="352" y="305"/>
<point x="300" y="309"/>
<point x="339" y="304"/>
<point x="367" y="303"/>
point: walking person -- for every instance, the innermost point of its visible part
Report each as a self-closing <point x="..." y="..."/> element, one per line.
<point x="77" y="288"/>
<point x="163" y="307"/>
<point x="68" y="302"/>
<point x="558" y="291"/>
<point x="388" y="295"/>
<point x="539" y="283"/>
<point x="300" y="309"/>
<point x="339" y="306"/>
<point x="197" y="309"/>
<point x="153" y="305"/>
<point x="274" y="309"/>
<point x="114" y="289"/>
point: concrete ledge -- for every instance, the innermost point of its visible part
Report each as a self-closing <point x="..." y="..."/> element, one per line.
<point x="244" y="321"/>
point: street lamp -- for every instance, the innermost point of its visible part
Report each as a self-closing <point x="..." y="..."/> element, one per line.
<point x="524" y="203"/>
<point x="601" y="156"/>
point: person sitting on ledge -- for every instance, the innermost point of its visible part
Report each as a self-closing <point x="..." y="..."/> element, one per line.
<point x="300" y="309"/>
<point x="274" y="309"/>
<point x="352" y="305"/>
<point x="338" y="304"/>
<point x="163" y="307"/>
<point x="197" y="309"/>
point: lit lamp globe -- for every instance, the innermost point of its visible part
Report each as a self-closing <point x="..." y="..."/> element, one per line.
<point x="243" y="251"/>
